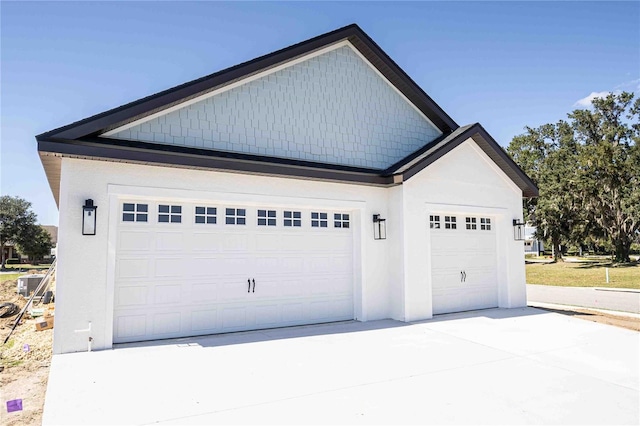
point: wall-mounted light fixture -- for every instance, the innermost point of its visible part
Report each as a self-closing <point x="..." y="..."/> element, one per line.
<point x="89" y="218"/>
<point x="379" y="228"/>
<point x="518" y="230"/>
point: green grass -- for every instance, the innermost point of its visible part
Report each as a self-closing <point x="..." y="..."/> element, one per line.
<point x="9" y="277"/>
<point x="584" y="274"/>
<point x="27" y="267"/>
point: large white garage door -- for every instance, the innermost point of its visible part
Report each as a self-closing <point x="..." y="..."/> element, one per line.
<point x="463" y="263"/>
<point x="186" y="269"/>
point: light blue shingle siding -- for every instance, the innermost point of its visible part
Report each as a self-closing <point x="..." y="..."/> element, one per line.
<point x="332" y="108"/>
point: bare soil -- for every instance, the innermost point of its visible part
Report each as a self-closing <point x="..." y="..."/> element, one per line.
<point x="25" y="369"/>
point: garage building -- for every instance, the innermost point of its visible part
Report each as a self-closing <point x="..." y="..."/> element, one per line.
<point x="317" y="183"/>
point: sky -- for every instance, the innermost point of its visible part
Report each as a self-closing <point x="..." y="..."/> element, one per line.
<point x="505" y="64"/>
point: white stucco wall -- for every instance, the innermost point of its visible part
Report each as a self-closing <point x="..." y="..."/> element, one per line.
<point x="463" y="181"/>
<point x="392" y="277"/>
<point x="332" y="108"/>
<point x="85" y="275"/>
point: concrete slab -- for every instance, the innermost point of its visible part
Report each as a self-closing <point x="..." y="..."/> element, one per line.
<point x="516" y="366"/>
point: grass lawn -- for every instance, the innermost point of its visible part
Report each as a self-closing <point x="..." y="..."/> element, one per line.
<point x="9" y="277"/>
<point x="587" y="274"/>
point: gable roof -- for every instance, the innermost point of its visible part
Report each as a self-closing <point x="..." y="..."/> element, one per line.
<point x="82" y="138"/>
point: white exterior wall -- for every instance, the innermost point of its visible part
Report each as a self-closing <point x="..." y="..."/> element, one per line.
<point x="332" y="108"/>
<point x="86" y="263"/>
<point x="463" y="181"/>
<point x="392" y="277"/>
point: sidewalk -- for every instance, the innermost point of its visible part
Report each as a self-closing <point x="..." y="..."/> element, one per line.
<point x="619" y="300"/>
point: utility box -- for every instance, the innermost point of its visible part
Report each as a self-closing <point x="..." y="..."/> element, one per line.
<point x="27" y="284"/>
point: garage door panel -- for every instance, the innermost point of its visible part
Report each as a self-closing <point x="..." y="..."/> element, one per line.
<point x="170" y="266"/>
<point x="131" y="327"/>
<point x="463" y="268"/>
<point x="169" y="241"/>
<point x="205" y="241"/>
<point x="131" y="295"/>
<point x="204" y="321"/>
<point x="132" y="268"/>
<point x="166" y="323"/>
<point x="185" y="279"/>
<point x="207" y="292"/>
<point x="234" y="318"/>
<point x="136" y="241"/>
<point x="267" y="315"/>
<point x="234" y="242"/>
<point x="167" y="294"/>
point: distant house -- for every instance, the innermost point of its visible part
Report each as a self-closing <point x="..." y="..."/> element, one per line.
<point x="259" y="197"/>
<point x="532" y="245"/>
<point x="11" y="253"/>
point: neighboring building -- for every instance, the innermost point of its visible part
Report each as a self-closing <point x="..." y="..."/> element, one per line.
<point x="10" y="251"/>
<point x="246" y="199"/>
<point x="531" y="244"/>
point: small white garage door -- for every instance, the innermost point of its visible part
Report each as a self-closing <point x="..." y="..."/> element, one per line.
<point x="186" y="269"/>
<point x="463" y="262"/>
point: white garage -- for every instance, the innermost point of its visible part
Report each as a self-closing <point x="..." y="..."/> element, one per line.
<point x="184" y="269"/>
<point x="314" y="184"/>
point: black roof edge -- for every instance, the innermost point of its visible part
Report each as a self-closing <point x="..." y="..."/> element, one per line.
<point x="394" y="167"/>
<point x="131" y="151"/>
<point x="136" y="109"/>
<point x="528" y="187"/>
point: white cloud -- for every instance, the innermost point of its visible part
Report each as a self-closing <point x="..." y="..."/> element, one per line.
<point x="629" y="86"/>
<point x="586" y="101"/>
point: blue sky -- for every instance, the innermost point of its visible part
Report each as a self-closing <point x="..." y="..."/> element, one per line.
<point x="504" y="64"/>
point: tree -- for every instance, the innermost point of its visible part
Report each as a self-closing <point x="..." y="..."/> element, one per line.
<point x="36" y="243"/>
<point x="588" y="173"/>
<point x="548" y="154"/>
<point x="610" y="167"/>
<point x="16" y="221"/>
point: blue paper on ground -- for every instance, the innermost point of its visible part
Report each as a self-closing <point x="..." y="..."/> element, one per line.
<point x="14" y="405"/>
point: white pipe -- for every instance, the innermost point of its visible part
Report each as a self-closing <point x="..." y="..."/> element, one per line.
<point x="607" y="273"/>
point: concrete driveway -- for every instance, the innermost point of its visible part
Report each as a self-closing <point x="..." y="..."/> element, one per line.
<point x="498" y="366"/>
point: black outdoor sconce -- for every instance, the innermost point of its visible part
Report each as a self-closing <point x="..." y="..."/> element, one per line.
<point x="89" y="218"/>
<point x="379" y="228"/>
<point x="518" y="230"/>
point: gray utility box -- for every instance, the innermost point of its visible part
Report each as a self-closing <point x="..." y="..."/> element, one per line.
<point x="27" y="284"/>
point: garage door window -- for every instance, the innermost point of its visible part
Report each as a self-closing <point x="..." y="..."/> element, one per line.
<point x="168" y="213"/>
<point x="434" y="221"/>
<point x="134" y="212"/>
<point x="450" y="222"/>
<point x="318" y="220"/>
<point x="206" y="215"/>
<point x="340" y="220"/>
<point x="292" y="218"/>
<point x="266" y="218"/>
<point x="236" y="216"/>
<point x="471" y="223"/>
<point x="485" y="224"/>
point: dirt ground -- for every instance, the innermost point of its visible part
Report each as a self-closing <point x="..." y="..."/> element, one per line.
<point x="25" y="369"/>
<point x="25" y="372"/>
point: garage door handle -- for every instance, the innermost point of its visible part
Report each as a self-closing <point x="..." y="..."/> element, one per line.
<point x="461" y="276"/>
<point x="464" y="276"/>
<point x="254" y="285"/>
<point x="249" y="282"/>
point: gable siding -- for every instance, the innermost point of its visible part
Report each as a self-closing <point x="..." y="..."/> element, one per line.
<point x="332" y="108"/>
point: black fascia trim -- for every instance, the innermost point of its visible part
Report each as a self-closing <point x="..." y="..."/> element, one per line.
<point x="390" y="170"/>
<point x="205" y="159"/>
<point x="112" y="118"/>
<point x="529" y="189"/>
